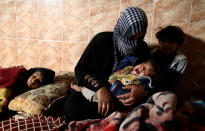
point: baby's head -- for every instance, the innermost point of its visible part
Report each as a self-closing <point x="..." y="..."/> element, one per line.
<point x="151" y="69"/>
<point x="39" y="76"/>
<point x="147" y="68"/>
<point x="170" y="39"/>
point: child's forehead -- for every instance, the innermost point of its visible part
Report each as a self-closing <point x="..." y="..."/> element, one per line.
<point x="150" y="66"/>
<point x="148" y="63"/>
<point x="38" y="73"/>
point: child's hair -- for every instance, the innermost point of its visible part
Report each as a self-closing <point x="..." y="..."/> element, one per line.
<point x="171" y="34"/>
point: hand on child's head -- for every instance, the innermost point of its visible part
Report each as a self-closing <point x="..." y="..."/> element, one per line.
<point x="35" y="80"/>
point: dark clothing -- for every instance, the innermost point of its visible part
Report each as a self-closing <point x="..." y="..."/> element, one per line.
<point x="97" y="61"/>
<point x="93" y="70"/>
<point x="128" y="61"/>
<point x="164" y="60"/>
<point x="77" y="107"/>
<point x="176" y="61"/>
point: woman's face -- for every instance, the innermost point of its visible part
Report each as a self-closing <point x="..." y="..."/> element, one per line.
<point x="35" y="80"/>
<point x="168" y="47"/>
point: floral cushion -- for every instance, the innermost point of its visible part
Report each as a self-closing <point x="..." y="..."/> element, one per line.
<point x="37" y="101"/>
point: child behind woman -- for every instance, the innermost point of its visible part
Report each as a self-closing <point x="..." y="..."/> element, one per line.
<point x="168" y="55"/>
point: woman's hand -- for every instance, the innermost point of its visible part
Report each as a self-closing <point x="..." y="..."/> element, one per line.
<point x="105" y="101"/>
<point x="136" y="94"/>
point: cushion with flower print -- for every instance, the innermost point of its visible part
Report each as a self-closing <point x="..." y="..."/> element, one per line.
<point x="37" y="101"/>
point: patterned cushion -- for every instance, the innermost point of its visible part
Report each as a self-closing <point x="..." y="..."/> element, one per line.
<point x="37" y="101"/>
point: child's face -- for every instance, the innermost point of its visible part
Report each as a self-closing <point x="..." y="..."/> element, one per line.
<point x="35" y="80"/>
<point x="144" y="69"/>
<point x="168" y="47"/>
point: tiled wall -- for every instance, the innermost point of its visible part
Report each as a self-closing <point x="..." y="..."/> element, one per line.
<point x="54" y="33"/>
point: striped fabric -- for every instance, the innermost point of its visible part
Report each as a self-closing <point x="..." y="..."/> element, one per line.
<point x="179" y="63"/>
<point x="133" y="20"/>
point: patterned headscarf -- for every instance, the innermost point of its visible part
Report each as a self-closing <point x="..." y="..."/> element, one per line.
<point x="133" y="20"/>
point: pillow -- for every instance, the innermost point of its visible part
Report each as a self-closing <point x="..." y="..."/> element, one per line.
<point x="37" y="101"/>
<point x="65" y="77"/>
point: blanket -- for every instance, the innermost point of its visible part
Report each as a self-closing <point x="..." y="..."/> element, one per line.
<point x="159" y="113"/>
<point x="25" y="122"/>
<point x="8" y="81"/>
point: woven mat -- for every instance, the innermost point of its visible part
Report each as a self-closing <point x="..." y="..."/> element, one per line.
<point x="25" y="122"/>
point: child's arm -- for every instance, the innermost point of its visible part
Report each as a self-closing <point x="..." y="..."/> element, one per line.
<point x="76" y="88"/>
<point x="87" y="93"/>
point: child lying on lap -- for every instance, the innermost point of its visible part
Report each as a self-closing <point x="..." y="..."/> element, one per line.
<point x="144" y="74"/>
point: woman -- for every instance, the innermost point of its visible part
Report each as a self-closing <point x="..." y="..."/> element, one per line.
<point x="99" y="60"/>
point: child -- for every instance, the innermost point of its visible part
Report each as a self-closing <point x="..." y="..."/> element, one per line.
<point x="37" y="77"/>
<point x="168" y="56"/>
<point x="171" y="60"/>
<point x="145" y="74"/>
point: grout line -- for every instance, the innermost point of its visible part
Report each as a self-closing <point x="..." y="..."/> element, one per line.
<point x="190" y="16"/>
<point x="42" y="40"/>
<point x="62" y="56"/>
<point x="62" y="16"/>
<point x="152" y="24"/>
<point x="89" y="31"/>
<point x="38" y="17"/>
<point x="16" y="21"/>
<point x="120" y="8"/>
<point x="16" y="35"/>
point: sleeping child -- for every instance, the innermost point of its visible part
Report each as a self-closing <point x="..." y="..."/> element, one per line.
<point x="37" y="77"/>
<point x="145" y="74"/>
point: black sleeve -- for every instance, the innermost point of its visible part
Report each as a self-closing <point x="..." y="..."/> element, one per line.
<point x="89" y="70"/>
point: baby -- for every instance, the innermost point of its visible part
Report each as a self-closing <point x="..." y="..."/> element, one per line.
<point x="144" y="74"/>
